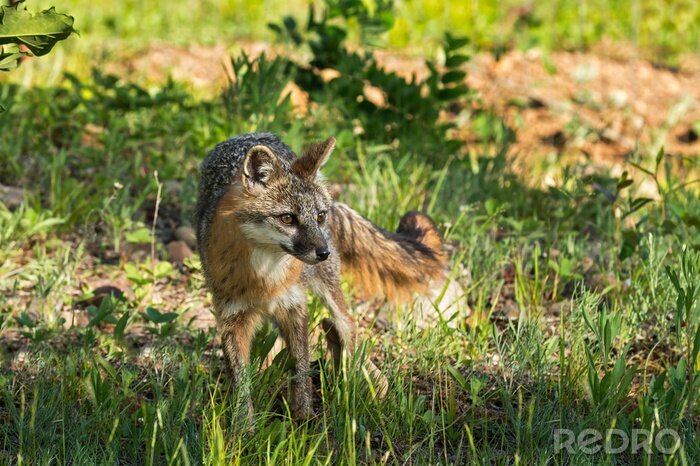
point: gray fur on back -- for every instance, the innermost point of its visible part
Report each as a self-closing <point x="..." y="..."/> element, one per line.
<point x="221" y="167"/>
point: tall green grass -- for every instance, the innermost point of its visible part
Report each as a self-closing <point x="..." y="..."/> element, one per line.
<point x="561" y="330"/>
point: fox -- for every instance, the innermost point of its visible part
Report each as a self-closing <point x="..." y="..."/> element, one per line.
<point x="268" y="232"/>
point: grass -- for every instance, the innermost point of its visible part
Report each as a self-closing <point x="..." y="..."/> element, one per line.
<point x="544" y="277"/>
<point x="583" y="301"/>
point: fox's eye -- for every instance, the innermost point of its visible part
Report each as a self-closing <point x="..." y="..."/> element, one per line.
<point x="321" y="217"/>
<point x="287" y="219"/>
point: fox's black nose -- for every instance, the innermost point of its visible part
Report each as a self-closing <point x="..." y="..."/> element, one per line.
<point x="322" y="253"/>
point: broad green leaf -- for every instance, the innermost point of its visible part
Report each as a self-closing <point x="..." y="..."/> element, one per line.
<point x="25" y="320"/>
<point x="163" y="269"/>
<point x="266" y="346"/>
<point x="39" y="32"/>
<point x="139" y="236"/>
<point x="135" y="275"/>
<point x="168" y="317"/>
<point x="155" y="316"/>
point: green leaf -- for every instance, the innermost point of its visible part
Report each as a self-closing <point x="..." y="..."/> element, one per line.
<point x="607" y="337"/>
<point x="673" y="276"/>
<point x="139" y="236"/>
<point x="163" y="269"/>
<point x="459" y="378"/>
<point x="107" y="367"/>
<point x="638" y="203"/>
<point x="44" y="225"/>
<point x="678" y="374"/>
<point x="25" y="320"/>
<point x="454" y="43"/>
<point x="9" y="56"/>
<point x="452" y="93"/>
<point x="566" y="267"/>
<point x="135" y="275"/>
<point x="101" y="314"/>
<point x="456" y="60"/>
<point x="618" y="372"/>
<point x="659" y="157"/>
<point x="589" y="322"/>
<point x="155" y="316"/>
<point x="264" y="348"/>
<point x="491" y="206"/>
<point x="455" y="76"/>
<point x="696" y="347"/>
<point x="624" y="183"/>
<point x="121" y="325"/>
<point x="38" y="32"/>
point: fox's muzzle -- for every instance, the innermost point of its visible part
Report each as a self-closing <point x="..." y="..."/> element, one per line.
<point x="311" y="247"/>
<point x="322" y="253"/>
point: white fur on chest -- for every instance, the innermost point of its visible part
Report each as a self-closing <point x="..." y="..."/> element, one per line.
<point x="292" y="297"/>
<point x="271" y="266"/>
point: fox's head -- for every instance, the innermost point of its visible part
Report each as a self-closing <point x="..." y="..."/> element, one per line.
<point x="286" y="203"/>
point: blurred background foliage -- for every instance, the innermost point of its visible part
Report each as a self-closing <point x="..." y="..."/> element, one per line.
<point x="663" y="30"/>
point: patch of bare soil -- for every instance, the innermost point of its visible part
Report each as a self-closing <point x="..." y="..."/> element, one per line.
<point x="599" y="106"/>
<point x="201" y="66"/>
<point x="207" y="68"/>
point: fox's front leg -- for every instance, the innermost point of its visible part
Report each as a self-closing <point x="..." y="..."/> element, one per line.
<point x="340" y="331"/>
<point x="293" y="320"/>
<point x="236" y="336"/>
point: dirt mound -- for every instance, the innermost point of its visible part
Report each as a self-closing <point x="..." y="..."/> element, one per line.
<point x="593" y="105"/>
<point x="596" y="105"/>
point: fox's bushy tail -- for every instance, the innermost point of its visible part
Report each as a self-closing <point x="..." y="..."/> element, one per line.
<point x="394" y="265"/>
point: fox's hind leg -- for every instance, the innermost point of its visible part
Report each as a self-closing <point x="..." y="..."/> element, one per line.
<point x="292" y="317"/>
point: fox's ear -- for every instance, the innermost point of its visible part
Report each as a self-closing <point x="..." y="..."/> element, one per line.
<point x="259" y="167"/>
<point x="313" y="158"/>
